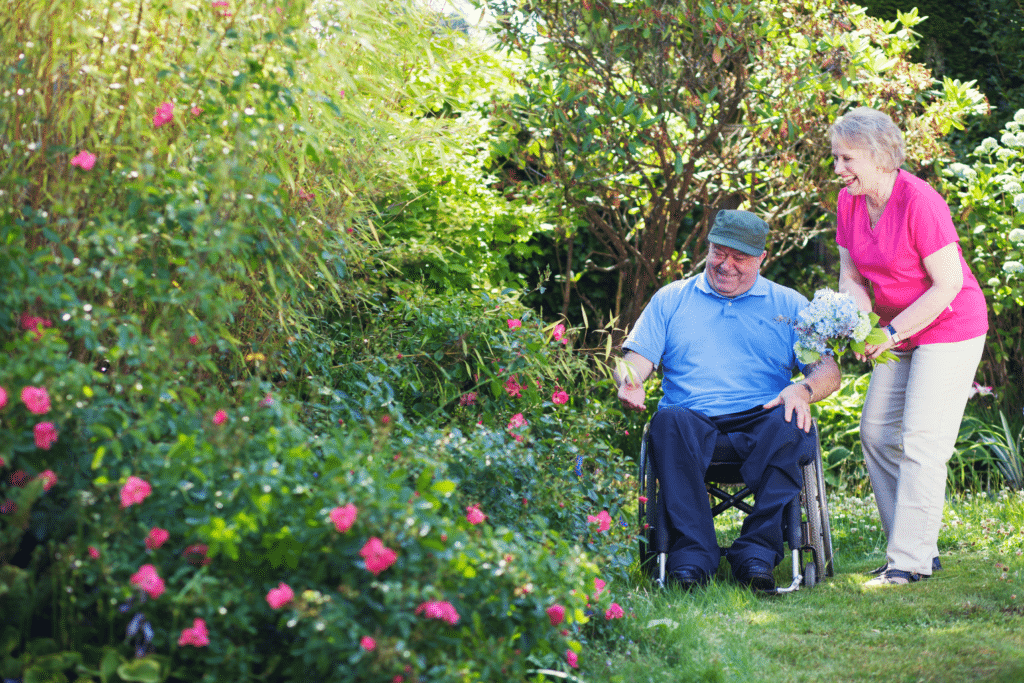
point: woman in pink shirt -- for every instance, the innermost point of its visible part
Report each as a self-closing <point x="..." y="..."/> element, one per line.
<point x="900" y="256"/>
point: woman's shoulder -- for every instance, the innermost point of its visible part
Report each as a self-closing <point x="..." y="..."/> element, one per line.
<point x="913" y="187"/>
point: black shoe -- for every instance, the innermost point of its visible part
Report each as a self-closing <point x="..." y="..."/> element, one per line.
<point x="688" y="577"/>
<point x="878" y="571"/>
<point x="756" y="574"/>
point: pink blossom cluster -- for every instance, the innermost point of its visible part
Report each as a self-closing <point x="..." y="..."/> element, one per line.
<point x="148" y="580"/>
<point x="344" y="517"/>
<point x="220" y="417"/>
<point x="559" y="397"/>
<point x="572" y="658"/>
<point x="196" y="556"/>
<point x="280" y="596"/>
<point x="45" y="434"/>
<point x="558" y="334"/>
<point x="614" y="611"/>
<point x="377" y="556"/>
<point x="603" y="520"/>
<point x="513" y="387"/>
<point x="367" y="643"/>
<point x="474" y="515"/>
<point x="134" y="491"/>
<point x="467" y="399"/>
<point x="437" y="609"/>
<point x="49" y="479"/>
<point x="156" y="538"/>
<point x="164" y="114"/>
<point x="35" y="324"/>
<point x="556" y="613"/>
<point x="36" y="400"/>
<point x="84" y="160"/>
<point x="195" y="635"/>
<point x="514" y="323"/>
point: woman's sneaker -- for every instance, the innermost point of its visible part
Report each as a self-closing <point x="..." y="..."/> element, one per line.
<point x="878" y="571"/>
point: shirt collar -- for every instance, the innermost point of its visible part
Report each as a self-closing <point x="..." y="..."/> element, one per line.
<point x="760" y="288"/>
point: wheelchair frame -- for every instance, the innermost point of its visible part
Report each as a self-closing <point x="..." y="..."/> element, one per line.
<point x="806" y="519"/>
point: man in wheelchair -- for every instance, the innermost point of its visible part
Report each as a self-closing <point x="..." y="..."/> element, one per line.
<point x="724" y="339"/>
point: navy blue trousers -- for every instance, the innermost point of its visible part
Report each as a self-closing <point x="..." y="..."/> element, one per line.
<point x="772" y="452"/>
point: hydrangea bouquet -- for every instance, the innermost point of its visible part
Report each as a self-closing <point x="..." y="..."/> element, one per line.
<point x="831" y="323"/>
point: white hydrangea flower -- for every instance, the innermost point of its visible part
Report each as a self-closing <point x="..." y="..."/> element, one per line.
<point x="1009" y="139"/>
<point x="1012" y="126"/>
<point x="1005" y="153"/>
<point x="994" y="282"/>
<point x="1019" y="116"/>
<point x="1016" y="235"/>
<point x="1018" y="202"/>
<point x="1011" y="186"/>
<point x="987" y="146"/>
<point x="1013" y="267"/>
<point x="860" y="333"/>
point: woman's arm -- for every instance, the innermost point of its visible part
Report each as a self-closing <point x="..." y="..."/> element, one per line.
<point x="852" y="282"/>
<point x="947" y="277"/>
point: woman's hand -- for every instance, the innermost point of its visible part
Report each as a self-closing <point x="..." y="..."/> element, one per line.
<point x="873" y="351"/>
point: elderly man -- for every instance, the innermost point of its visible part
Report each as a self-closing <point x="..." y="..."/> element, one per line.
<point x="724" y="339"/>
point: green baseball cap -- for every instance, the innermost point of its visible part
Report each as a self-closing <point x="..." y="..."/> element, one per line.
<point x="740" y="230"/>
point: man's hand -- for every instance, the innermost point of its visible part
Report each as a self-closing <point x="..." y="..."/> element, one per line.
<point x="797" y="400"/>
<point x="632" y="396"/>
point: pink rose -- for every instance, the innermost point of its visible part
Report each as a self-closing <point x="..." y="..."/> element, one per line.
<point x="94" y="553"/>
<point x="36" y="399"/>
<point x="344" y="516"/>
<point x="514" y="323"/>
<point x="48" y="477"/>
<point x="156" y="538"/>
<point x="134" y="491"/>
<point x="196" y="635"/>
<point x="367" y="643"/>
<point x="572" y="658"/>
<point x="280" y="596"/>
<point x="148" y="580"/>
<point x="556" y="613"/>
<point x="614" y="611"/>
<point x="559" y="397"/>
<point x="436" y="609"/>
<point x="164" y="114"/>
<point x="46" y="435"/>
<point x="220" y="417"/>
<point x="377" y="556"/>
<point x="84" y="160"/>
<point x="474" y="516"/>
<point x="603" y="520"/>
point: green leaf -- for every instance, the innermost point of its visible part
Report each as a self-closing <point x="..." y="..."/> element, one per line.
<point x="145" y="670"/>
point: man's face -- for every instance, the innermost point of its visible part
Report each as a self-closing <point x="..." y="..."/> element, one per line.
<point x="731" y="272"/>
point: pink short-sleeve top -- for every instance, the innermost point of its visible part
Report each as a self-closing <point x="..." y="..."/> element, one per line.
<point x="914" y="224"/>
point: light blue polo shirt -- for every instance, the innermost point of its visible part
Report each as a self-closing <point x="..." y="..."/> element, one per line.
<point x="720" y="355"/>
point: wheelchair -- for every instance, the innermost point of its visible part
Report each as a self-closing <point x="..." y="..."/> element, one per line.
<point x="806" y="528"/>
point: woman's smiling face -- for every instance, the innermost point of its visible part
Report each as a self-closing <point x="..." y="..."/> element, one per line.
<point x="854" y="165"/>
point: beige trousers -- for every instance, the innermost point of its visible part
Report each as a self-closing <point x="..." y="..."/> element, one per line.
<point x="908" y="430"/>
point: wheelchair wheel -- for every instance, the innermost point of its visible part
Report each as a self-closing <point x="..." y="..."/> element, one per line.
<point x="810" y="575"/>
<point x="815" y="503"/>
<point x="648" y="490"/>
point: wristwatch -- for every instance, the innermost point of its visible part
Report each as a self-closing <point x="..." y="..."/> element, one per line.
<point x="891" y="331"/>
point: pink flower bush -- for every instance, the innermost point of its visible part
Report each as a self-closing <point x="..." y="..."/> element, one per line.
<point x="614" y="611"/>
<point x="36" y="400"/>
<point x="517" y="420"/>
<point x="148" y="580"/>
<point x="558" y="332"/>
<point x="34" y="324"/>
<point x="436" y="609"/>
<point x="467" y="399"/>
<point x="344" y="516"/>
<point x="196" y="111"/>
<point x="513" y="387"/>
<point x="514" y="323"/>
<point x="559" y="398"/>
<point x="280" y="596"/>
<point x="572" y="658"/>
<point x="48" y="477"/>
<point x="3" y="397"/>
<point x="367" y="643"/>
<point x="156" y="538"/>
<point x="377" y="556"/>
<point x="84" y="160"/>
<point x="94" y="553"/>
<point x="556" y="613"/>
<point x="134" y="491"/>
<point x="474" y="516"/>
<point x="220" y="417"/>
<point x="196" y="635"/>
<point x="164" y="114"/>
<point x="599" y="585"/>
<point x="45" y="434"/>
<point x="603" y="520"/>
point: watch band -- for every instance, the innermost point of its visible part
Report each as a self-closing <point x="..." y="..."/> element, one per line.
<point x="893" y="334"/>
<point x="807" y="386"/>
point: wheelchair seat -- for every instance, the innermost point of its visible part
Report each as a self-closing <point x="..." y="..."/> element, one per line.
<point x="806" y="520"/>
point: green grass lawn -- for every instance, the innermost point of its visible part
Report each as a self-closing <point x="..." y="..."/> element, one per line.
<point x="966" y="623"/>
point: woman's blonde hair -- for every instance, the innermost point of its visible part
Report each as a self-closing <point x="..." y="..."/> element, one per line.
<point x="870" y="129"/>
